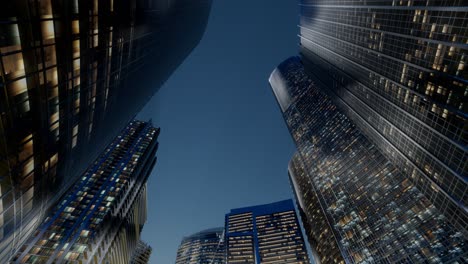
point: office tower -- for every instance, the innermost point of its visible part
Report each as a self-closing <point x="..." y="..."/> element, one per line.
<point x="349" y="192"/>
<point x="265" y="234"/>
<point x="142" y="253"/>
<point x="323" y="244"/>
<point x="398" y="70"/>
<point x="205" y="247"/>
<point x="73" y="74"/>
<point x="100" y="218"/>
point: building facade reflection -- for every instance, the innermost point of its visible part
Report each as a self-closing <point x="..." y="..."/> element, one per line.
<point x="397" y="68"/>
<point x="205" y="247"/>
<point x="352" y="197"/>
<point x="74" y="73"/>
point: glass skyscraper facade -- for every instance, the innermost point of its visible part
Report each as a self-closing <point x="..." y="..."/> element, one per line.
<point x="100" y="218"/>
<point x="205" y="247"/>
<point x="73" y="74"/>
<point x="320" y="235"/>
<point x="357" y="206"/>
<point x="398" y="71"/>
<point x="265" y="234"/>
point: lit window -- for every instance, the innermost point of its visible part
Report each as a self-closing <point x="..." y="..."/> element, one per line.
<point x="48" y="29"/>
<point x="14" y="65"/>
<point x="75" y="26"/>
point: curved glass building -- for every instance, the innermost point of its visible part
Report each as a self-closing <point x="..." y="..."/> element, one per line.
<point x="398" y="71"/>
<point x="322" y="240"/>
<point x="357" y="205"/>
<point x="204" y="247"/>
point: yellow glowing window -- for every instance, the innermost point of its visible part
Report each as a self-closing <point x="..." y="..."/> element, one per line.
<point x="18" y="87"/>
<point x="53" y="160"/>
<point x="28" y="167"/>
<point x="95" y="40"/>
<point x="54" y="117"/>
<point x="75" y="26"/>
<point x="13" y="64"/>
<point x="95" y="7"/>
<point x="52" y="76"/>
<point x="433" y="28"/>
<point x="54" y="127"/>
<point x="76" y="48"/>
<point x="45" y="9"/>
<point x="48" y="29"/>
<point x="461" y="66"/>
<point x="445" y="29"/>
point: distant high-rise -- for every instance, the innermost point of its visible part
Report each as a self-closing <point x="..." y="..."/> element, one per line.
<point x="398" y="71"/>
<point x="265" y="234"/>
<point x="141" y="254"/>
<point x="73" y="74"/>
<point x="356" y="205"/>
<point x="100" y="218"/>
<point x="205" y="247"/>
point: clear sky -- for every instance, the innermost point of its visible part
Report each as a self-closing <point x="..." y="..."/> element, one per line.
<point x="223" y="141"/>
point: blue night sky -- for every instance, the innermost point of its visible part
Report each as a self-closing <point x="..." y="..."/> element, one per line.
<point x="223" y="141"/>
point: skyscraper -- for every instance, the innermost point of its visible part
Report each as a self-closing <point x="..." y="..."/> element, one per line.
<point x="141" y="254"/>
<point x="357" y="206"/>
<point x="205" y="247"/>
<point x="265" y="234"/>
<point x="100" y="218"/>
<point x="73" y="74"/>
<point x="323" y="243"/>
<point x="397" y="68"/>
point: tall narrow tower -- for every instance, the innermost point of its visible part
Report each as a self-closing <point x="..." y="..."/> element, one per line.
<point x="398" y="70"/>
<point x="356" y="204"/>
<point x="100" y="218"/>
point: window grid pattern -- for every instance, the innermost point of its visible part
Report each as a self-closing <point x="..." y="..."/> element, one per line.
<point x="375" y="212"/>
<point x="62" y="64"/>
<point x="265" y="234"/>
<point x="398" y="70"/>
<point x="85" y="225"/>
<point x="443" y="186"/>
<point x="280" y="239"/>
<point x="205" y="247"/>
<point x="318" y="229"/>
